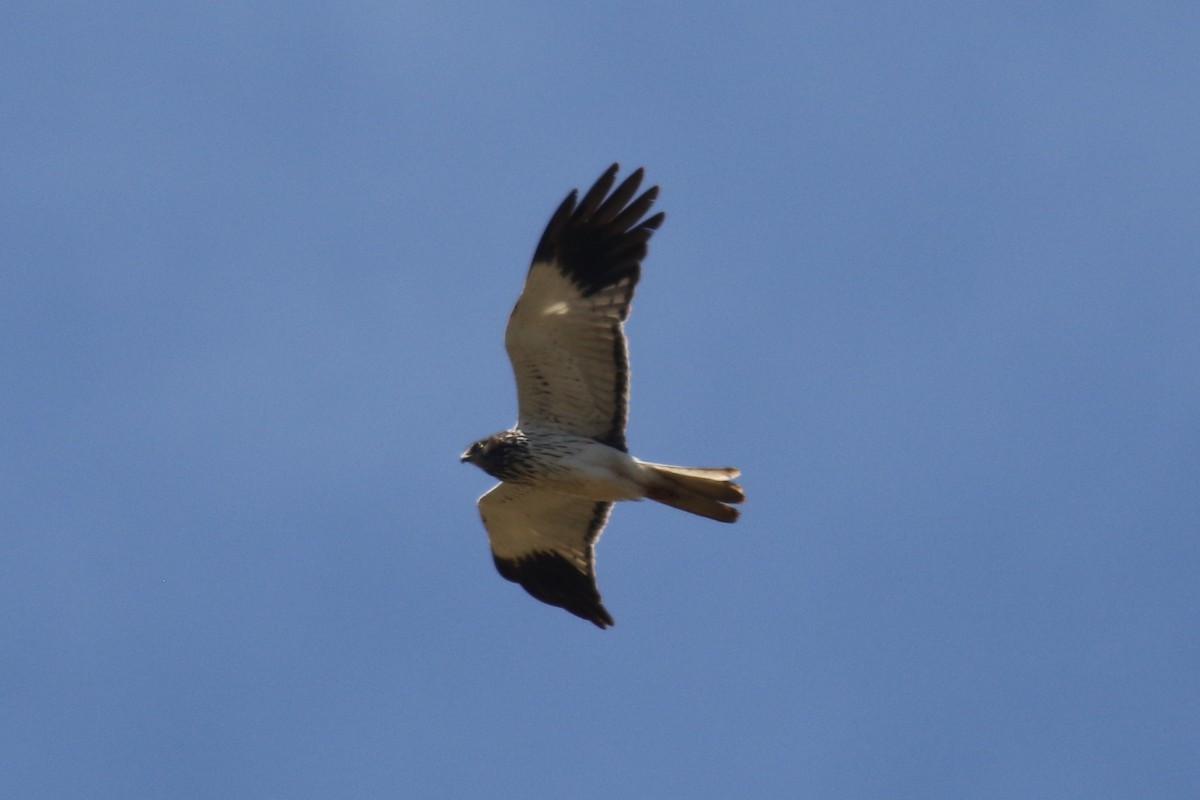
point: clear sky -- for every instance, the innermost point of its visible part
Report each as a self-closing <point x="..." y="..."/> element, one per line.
<point x="930" y="276"/>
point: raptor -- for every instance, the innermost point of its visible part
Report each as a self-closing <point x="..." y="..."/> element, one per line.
<point x="565" y="462"/>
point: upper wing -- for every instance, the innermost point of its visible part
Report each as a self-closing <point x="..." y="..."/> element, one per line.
<point x="543" y="540"/>
<point x="564" y="336"/>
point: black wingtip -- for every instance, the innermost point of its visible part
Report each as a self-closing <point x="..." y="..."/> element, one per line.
<point x="603" y="622"/>
<point x="601" y="239"/>
<point x="557" y="582"/>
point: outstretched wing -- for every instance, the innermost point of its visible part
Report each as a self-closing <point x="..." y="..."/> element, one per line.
<point x="544" y="541"/>
<point x="564" y="337"/>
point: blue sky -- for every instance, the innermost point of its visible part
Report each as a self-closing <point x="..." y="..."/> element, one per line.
<point x="929" y="276"/>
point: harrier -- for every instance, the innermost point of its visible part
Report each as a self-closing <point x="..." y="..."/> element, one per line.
<point x="565" y="462"/>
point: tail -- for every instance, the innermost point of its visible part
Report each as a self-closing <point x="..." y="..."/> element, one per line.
<point x="699" y="490"/>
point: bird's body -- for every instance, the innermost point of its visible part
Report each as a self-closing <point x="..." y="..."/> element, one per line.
<point x="565" y="462"/>
<point x="562" y="462"/>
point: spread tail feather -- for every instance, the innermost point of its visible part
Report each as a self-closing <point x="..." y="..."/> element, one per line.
<point x="700" y="490"/>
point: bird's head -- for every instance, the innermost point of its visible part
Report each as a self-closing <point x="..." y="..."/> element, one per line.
<point x="502" y="455"/>
<point x="473" y="453"/>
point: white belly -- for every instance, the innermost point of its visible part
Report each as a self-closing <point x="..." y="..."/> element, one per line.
<point x="586" y="468"/>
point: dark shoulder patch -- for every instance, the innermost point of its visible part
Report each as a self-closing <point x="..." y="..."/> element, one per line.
<point x="601" y="240"/>
<point x="554" y="580"/>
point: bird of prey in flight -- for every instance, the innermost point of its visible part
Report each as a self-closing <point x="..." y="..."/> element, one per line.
<point x="565" y="463"/>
